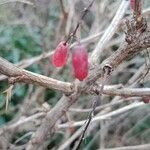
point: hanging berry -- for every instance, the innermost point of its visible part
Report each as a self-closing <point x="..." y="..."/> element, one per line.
<point x="132" y="4"/>
<point x="80" y="62"/>
<point x="146" y="99"/>
<point x="60" y="55"/>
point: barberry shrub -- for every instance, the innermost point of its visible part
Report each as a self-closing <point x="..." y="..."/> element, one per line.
<point x="80" y="62"/>
<point x="60" y="55"/>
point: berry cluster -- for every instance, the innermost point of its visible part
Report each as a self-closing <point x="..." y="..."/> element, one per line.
<point x="79" y="59"/>
<point x="79" y="52"/>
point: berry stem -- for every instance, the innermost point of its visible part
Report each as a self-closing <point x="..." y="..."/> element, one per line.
<point x="85" y="11"/>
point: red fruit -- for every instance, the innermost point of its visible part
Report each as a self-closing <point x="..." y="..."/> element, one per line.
<point x="146" y="99"/>
<point x="132" y="4"/>
<point x="80" y="62"/>
<point x="60" y="55"/>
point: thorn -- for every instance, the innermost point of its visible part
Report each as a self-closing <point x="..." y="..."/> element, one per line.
<point x="8" y="96"/>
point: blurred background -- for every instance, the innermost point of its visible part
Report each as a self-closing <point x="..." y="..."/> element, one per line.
<point x="29" y="32"/>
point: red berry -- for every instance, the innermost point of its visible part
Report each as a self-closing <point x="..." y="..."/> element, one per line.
<point x="80" y="62"/>
<point x="146" y="99"/>
<point x="132" y="4"/>
<point x="60" y="55"/>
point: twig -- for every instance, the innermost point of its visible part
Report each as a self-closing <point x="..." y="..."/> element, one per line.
<point x="25" y="120"/>
<point x="63" y="8"/>
<point x="71" y="139"/>
<point x="135" y="147"/>
<point x="85" y="11"/>
<point x="138" y="8"/>
<point x="109" y="32"/>
<point x="23" y="137"/>
<point x="105" y="116"/>
<point x="126" y="92"/>
<point x="21" y="1"/>
<point x="101" y="107"/>
<point x="21" y="75"/>
<point x="140" y="22"/>
<point x="87" y="123"/>
<point x="79" y="131"/>
<point x="70" y="17"/>
<point x="106" y="73"/>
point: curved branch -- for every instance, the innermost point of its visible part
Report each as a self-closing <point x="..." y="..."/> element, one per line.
<point x="105" y="116"/>
<point x="21" y="75"/>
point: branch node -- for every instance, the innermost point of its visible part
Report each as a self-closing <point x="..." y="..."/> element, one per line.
<point x="107" y="69"/>
<point x="13" y="80"/>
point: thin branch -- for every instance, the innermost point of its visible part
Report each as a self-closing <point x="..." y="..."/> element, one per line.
<point x="63" y="8"/>
<point x="21" y="75"/>
<point x="87" y="123"/>
<point x="101" y="107"/>
<point x="71" y="139"/>
<point x="135" y="147"/>
<point x="11" y="1"/>
<point x="126" y="92"/>
<point x="137" y="15"/>
<point x="105" y="116"/>
<point x="138" y="8"/>
<point x="85" y="11"/>
<point x="109" y="32"/>
<point x="23" y="120"/>
<point x="78" y="132"/>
